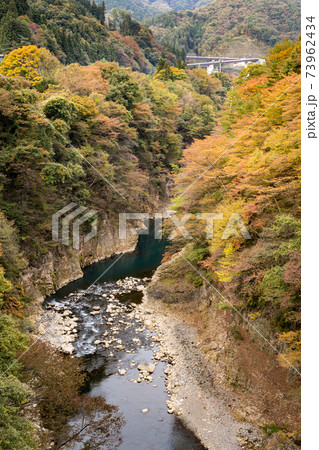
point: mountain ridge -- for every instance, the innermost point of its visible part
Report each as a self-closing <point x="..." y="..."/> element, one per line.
<point x="75" y="31"/>
<point x="229" y="28"/>
<point x="143" y="9"/>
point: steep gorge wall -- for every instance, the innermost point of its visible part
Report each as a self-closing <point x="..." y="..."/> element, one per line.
<point x="65" y="264"/>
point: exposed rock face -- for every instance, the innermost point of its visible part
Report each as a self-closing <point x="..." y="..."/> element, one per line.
<point x="65" y="264"/>
<point x="170" y="283"/>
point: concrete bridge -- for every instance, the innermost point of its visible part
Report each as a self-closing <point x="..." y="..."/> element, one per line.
<point x="216" y="63"/>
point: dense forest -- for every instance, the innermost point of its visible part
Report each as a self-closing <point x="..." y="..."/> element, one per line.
<point x="253" y="171"/>
<point x="229" y="28"/>
<point x="101" y="135"/>
<point x="142" y="9"/>
<point x="75" y="31"/>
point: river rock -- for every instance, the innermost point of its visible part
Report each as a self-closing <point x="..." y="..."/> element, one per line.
<point x="145" y="410"/>
<point x="96" y="308"/>
<point x="67" y="348"/>
<point x="146" y="367"/>
<point x="170" y="407"/>
<point x="122" y="371"/>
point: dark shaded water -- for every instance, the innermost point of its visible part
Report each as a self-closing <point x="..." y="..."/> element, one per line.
<point x="129" y="344"/>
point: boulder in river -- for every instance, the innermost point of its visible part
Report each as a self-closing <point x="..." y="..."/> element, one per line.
<point x="170" y="407"/>
<point x="147" y="367"/>
<point x="67" y="348"/>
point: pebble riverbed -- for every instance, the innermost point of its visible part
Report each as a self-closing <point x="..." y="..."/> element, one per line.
<point x="104" y="326"/>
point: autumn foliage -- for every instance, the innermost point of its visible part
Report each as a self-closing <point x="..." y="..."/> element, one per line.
<point x="22" y="62"/>
<point x="251" y="166"/>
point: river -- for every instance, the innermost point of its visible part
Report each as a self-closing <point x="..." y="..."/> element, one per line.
<point x="106" y="312"/>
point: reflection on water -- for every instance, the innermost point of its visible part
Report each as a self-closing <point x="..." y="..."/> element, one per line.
<point x="125" y="344"/>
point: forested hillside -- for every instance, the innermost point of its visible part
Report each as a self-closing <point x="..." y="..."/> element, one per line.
<point x="253" y="171"/>
<point x="75" y="31"/>
<point x="230" y="27"/>
<point x="237" y="279"/>
<point x="99" y="135"/>
<point x="120" y="121"/>
<point x="142" y="9"/>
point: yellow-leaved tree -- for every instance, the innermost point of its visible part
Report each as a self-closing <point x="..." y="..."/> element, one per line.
<point x="23" y="62"/>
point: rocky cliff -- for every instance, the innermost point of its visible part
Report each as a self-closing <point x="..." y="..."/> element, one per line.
<point x="65" y="264"/>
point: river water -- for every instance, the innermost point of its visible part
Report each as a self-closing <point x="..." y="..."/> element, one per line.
<point x="106" y="312"/>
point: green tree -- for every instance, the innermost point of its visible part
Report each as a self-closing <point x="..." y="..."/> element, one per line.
<point x="16" y="432"/>
<point x="5" y="286"/>
<point x="123" y="88"/>
<point x="162" y="64"/>
<point x="22" y="6"/>
<point x="171" y="73"/>
<point x="11" y="341"/>
<point x="11" y="258"/>
<point x="60" y="108"/>
<point x="14" y="32"/>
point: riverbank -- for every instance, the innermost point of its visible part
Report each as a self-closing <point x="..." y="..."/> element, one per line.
<point x="198" y="358"/>
<point x="229" y="389"/>
<point x="203" y="407"/>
